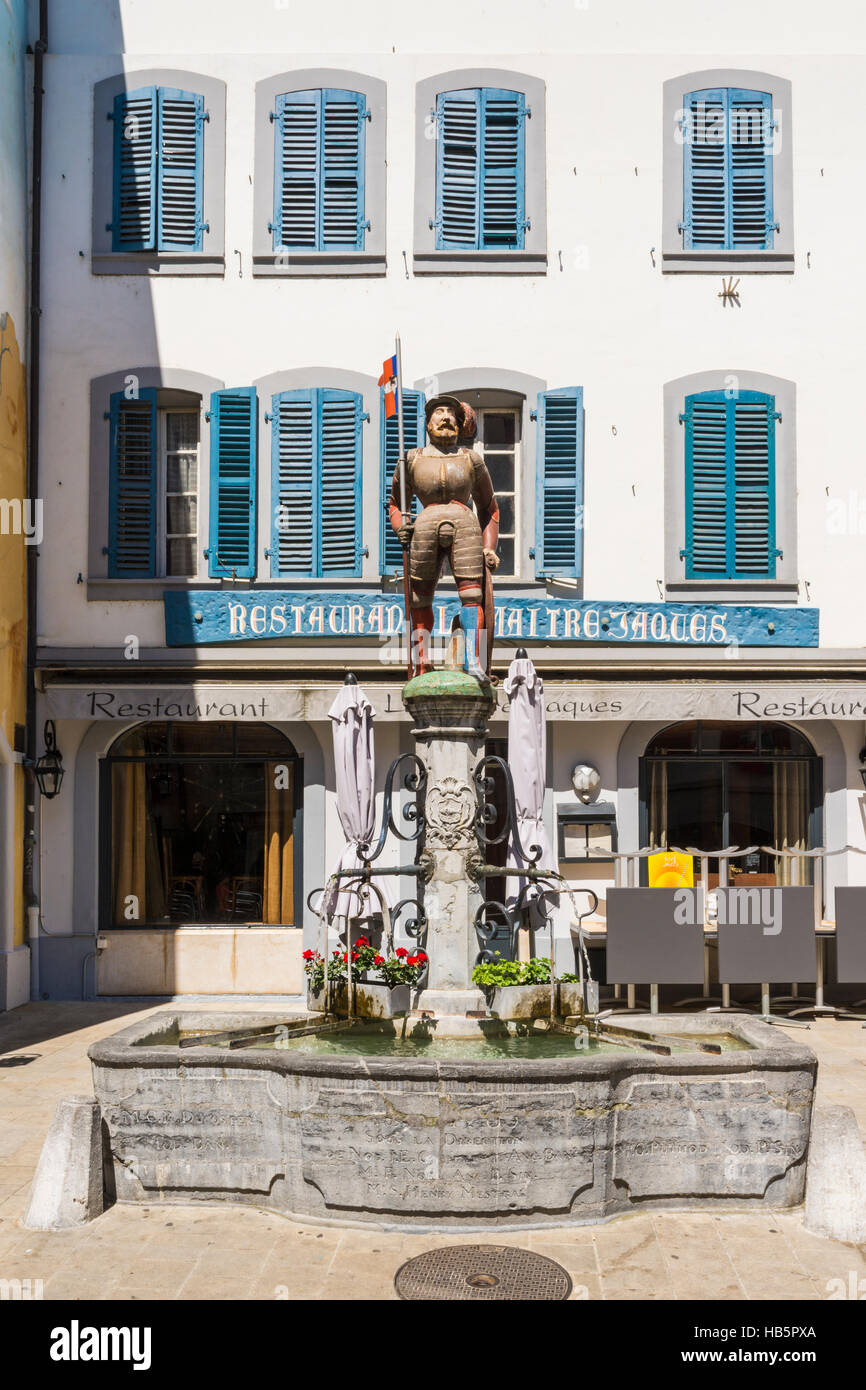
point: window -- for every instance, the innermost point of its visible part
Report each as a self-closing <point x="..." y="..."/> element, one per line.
<point x="202" y="822"/>
<point x="728" y="164"/>
<point x="727" y="172"/>
<point x="153" y="504"/>
<point x="480" y="170"/>
<point x="559" y="484"/>
<point x="498" y="442"/>
<point x="316" y="464"/>
<point x="319" y="171"/>
<point x="730" y="486"/>
<point x="320" y="174"/>
<point x="158" y="170"/>
<point x="159" y="156"/>
<point x="710" y="785"/>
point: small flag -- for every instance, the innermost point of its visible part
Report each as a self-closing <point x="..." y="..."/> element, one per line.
<point x="388" y="379"/>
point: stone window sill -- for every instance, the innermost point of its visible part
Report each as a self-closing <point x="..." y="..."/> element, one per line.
<point x="156" y="263"/>
<point x="320" y="263"/>
<point x="716" y="262"/>
<point x="480" y="262"/>
<point x="731" y="591"/>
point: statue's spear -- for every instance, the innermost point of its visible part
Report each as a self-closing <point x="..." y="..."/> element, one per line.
<point x="404" y="506"/>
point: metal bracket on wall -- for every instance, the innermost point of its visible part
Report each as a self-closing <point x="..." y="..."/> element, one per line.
<point x="729" y="293"/>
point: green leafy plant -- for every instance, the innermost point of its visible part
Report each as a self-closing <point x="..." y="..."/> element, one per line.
<point x="498" y="973"/>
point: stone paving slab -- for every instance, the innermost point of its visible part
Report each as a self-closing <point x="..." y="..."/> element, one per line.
<point x="224" y="1253"/>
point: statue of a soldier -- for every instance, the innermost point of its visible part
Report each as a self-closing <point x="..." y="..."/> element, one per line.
<point x="447" y="477"/>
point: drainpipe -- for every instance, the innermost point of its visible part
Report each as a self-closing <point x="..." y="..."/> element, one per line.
<point x="31" y="885"/>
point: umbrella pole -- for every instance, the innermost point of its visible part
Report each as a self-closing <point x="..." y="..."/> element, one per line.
<point x="404" y="508"/>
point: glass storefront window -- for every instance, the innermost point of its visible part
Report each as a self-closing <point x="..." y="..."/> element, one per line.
<point x="201" y="826"/>
<point x="709" y="785"/>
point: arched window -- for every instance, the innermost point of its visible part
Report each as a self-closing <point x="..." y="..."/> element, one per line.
<point x="708" y="785"/>
<point x="201" y="824"/>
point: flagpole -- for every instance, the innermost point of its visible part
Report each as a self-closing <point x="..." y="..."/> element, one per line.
<point x="404" y="505"/>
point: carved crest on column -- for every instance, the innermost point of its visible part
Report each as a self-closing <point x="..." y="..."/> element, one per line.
<point x="450" y="813"/>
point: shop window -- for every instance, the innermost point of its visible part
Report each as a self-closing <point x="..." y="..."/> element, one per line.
<point x="153" y="484"/>
<point x="587" y="834"/>
<point x="159" y="156"/>
<point x="710" y="785"/>
<point x="200" y="826"/>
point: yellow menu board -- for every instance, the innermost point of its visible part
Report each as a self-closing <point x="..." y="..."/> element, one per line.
<point x="669" y="870"/>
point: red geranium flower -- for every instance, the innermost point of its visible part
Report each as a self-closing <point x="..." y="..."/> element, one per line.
<point x="422" y="955"/>
<point x="362" y="941"/>
<point x="379" y="960"/>
<point x="308" y="955"/>
<point x="412" y="960"/>
<point x="401" y="951"/>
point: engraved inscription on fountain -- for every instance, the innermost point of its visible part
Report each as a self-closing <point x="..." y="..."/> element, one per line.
<point x="704" y="1138"/>
<point x="466" y="1152"/>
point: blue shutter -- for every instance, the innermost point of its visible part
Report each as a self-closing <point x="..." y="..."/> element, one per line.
<point x="180" y="167"/>
<point x="480" y="170"/>
<point x="413" y="437"/>
<point x="559" y="487"/>
<point x="297" y="170"/>
<point x="340" y="483"/>
<point x="730" y="486"/>
<point x="316" y="456"/>
<point x="503" y="217"/>
<point x="293" y="484"/>
<point x="344" y="129"/>
<point x="728" y="170"/>
<point x="750" y="118"/>
<point x="233" y="434"/>
<point x="133" y="226"/>
<point x="132" y="487"/>
<point x="319" y="171"/>
<point x="458" y="170"/>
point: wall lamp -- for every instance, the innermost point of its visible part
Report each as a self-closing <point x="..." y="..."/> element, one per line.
<point x="48" y="769"/>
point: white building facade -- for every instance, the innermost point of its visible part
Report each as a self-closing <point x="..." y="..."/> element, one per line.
<point x="615" y="233"/>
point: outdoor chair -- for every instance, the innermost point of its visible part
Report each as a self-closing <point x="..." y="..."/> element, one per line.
<point x="765" y="952"/>
<point x="647" y="945"/>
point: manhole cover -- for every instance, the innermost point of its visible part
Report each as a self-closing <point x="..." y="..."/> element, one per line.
<point x="487" y="1272"/>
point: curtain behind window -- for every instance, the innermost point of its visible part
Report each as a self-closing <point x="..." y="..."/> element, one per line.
<point x="279" y="885"/>
<point x="136" y="857"/>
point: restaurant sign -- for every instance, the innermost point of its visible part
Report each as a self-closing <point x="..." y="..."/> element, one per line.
<point x="197" y="617"/>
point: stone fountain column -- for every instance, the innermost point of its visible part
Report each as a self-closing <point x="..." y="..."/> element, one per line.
<point x="450" y="711"/>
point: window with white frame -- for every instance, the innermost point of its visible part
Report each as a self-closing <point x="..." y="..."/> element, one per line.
<point x="498" y="442"/>
<point x="178" y="479"/>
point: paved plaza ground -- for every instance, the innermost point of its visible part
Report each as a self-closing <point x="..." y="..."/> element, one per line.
<point x="220" y="1252"/>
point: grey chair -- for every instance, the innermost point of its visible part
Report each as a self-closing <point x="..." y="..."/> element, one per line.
<point x="654" y="936"/>
<point x="766" y="941"/>
<point x="850" y="947"/>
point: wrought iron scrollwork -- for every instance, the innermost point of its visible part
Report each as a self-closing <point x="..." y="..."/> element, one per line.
<point x="488" y="811"/>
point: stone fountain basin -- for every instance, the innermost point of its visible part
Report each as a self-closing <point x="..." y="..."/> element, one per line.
<point x="409" y="1143"/>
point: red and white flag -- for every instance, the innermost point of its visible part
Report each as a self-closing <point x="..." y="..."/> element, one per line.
<point x="388" y="379"/>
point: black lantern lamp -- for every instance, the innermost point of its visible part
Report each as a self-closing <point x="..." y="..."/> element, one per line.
<point x="48" y="769"/>
<point x="863" y="765"/>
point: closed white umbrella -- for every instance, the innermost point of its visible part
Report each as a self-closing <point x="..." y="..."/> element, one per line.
<point x="527" y="760"/>
<point x="355" y="763"/>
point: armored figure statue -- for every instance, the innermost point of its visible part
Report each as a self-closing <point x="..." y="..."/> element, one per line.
<point x="447" y="477"/>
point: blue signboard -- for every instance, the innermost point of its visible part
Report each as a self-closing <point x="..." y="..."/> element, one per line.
<point x="196" y="617"/>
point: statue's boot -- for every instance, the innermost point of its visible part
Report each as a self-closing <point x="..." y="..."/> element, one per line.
<point x="422" y="640"/>
<point x="471" y="620"/>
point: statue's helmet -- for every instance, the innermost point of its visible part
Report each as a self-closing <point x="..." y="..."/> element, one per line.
<point x="452" y="401"/>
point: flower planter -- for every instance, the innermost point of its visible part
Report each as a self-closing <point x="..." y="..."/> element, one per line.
<point x="525" y="1002"/>
<point x="519" y="1002"/>
<point x="371" y="1000"/>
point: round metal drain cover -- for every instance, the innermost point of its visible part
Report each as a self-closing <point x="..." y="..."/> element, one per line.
<point x="492" y="1273"/>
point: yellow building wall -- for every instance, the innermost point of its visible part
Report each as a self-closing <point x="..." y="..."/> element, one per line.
<point x="13" y="621"/>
